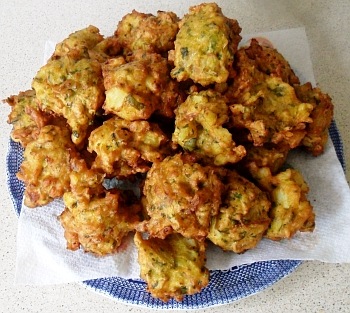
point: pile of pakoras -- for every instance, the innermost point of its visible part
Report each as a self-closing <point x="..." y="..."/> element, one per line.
<point x="174" y="105"/>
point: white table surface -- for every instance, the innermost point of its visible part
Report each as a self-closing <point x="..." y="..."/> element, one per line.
<point x="24" y="28"/>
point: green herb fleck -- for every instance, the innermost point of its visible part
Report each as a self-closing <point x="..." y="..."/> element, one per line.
<point x="184" y="52"/>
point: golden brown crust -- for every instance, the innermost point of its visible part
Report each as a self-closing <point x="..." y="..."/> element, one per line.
<point x="71" y="89"/>
<point x="25" y="117"/>
<point x="135" y="90"/>
<point x="272" y="113"/>
<point x="181" y="196"/>
<point x="77" y="45"/>
<point x="124" y="148"/>
<point x="46" y="166"/>
<point x="109" y="47"/>
<point x="70" y="85"/>
<point x="199" y="129"/>
<point x="271" y="157"/>
<point x="205" y="45"/>
<point x="269" y="61"/>
<point x="173" y="267"/>
<point x="146" y="32"/>
<point x="322" y="115"/>
<point x="291" y="211"/>
<point x="94" y="218"/>
<point x="243" y="215"/>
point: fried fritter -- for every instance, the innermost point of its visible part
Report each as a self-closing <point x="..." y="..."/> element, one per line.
<point x="266" y="106"/>
<point x="77" y="45"/>
<point x="124" y="148"/>
<point x="269" y="61"/>
<point x="322" y="115"/>
<point x="172" y="267"/>
<point x="46" y="166"/>
<point x="180" y="196"/>
<point x="273" y="114"/>
<point x="198" y="128"/>
<point x="290" y="211"/>
<point x="205" y="45"/>
<point x="146" y="32"/>
<point x="243" y="216"/>
<point x="25" y="117"/>
<point x="72" y="89"/>
<point x="135" y="90"/>
<point x="104" y="109"/>
<point x="94" y="218"/>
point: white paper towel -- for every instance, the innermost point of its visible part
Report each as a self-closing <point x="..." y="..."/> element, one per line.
<point x="42" y="257"/>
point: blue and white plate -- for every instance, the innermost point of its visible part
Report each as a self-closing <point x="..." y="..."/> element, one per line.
<point x="224" y="287"/>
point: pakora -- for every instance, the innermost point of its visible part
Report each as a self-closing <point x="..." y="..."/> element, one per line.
<point x="290" y="211"/>
<point x="46" y="166"/>
<point x="94" y="218"/>
<point x="172" y="267"/>
<point x="322" y="115"/>
<point x="180" y="196"/>
<point x="266" y="105"/>
<point x="25" y="117"/>
<point x="71" y="85"/>
<point x="199" y="128"/>
<point x="277" y="116"/>
<point x="135" y="90"/>
<point x="124" y="148"/>
<point x="146" y="32"/>
<point x="243" y="215"/>
<point x="205" y="45"/>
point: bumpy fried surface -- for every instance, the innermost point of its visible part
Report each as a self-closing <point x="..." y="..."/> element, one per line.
<point x="198" y="128"/>
<point x="243" y="216"/>
<point x="266" y="106"/>
<point x="78" y="44"/>
<point x="124" y="148"/>
<point x="290" y="211"/>
<point x="71" y="84"/>
<point x="269" y="61"/>
<point x="276" y="115"/>
<point x="96" y="219"/>
<point x="107" y="48"/>
<point x="25" y="117"/>
<point x="146" y="32"/>
<point x="271" y="157"/>
<point x="46" y="166"/>
<point x="205" y="45"/>
<point x="135" y="90"/>
<point x="173" y="267"/>
<point x="322" y="115"/>
<point x="180" y="196"/>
